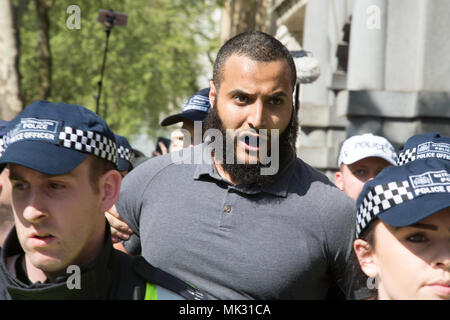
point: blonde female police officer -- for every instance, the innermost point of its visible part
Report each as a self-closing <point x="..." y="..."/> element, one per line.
<point x="403" y="223"/>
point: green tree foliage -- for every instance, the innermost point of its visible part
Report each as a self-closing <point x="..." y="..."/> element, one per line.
<point x="152" y="64"/>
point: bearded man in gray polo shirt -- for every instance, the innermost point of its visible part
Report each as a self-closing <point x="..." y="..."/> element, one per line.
<point x="228" y="228"/>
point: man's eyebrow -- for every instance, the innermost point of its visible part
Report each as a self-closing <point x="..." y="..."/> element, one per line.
<point x="278" y="94"/>
<point x="13" y="176"/>
<point x="358" y="165"/>
<point x="425" y="226"/>
<point x="238" y="92"/>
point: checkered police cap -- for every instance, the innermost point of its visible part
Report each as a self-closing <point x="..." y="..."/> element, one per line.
<point x="89" y="141"/>
<point x="3" y="125"/>
<point x="380" y="198"/>
<point x="2" y="146"/>
<point x="406" y="156"/>
<point x="403" y="195"/>
<point x="425" y="146"/>
<point x="54" y="138"/>
<point x="125" y="153"/>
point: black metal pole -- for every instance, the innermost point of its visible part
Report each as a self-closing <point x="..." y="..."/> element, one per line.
<point x="297" y="99"/>
<point x="100" y="83"/>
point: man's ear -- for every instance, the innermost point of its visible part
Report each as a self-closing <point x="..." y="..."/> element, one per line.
<point x="366" y="257"/>
<point x="338" y="180"/>
<point x="212" y="93"/>
<point x="109" y="189"/>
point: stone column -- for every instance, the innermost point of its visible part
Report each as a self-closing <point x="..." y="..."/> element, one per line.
<point x="399" y="76"/>
<point x="367" y="45"/>
<point x="315" y="39"/>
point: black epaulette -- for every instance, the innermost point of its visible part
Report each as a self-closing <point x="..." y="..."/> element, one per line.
<point x="161" y="278"/>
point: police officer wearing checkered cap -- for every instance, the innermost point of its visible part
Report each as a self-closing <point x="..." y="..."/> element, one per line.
<point x="423" y="146"/>
<point x="403" y="227"/>
<point x="63" y="170"/>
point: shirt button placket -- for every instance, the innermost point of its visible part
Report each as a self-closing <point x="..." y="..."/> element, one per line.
<point x="227" y="211"/>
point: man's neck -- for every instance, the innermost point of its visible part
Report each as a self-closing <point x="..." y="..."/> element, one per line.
<point x="34" y="274"/>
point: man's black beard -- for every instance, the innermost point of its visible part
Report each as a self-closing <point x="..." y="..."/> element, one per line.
<point x="250" y="174"/>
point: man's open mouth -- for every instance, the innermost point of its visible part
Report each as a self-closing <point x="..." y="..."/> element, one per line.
<point x="253" y="142"/>
<point x="41" y="239"/>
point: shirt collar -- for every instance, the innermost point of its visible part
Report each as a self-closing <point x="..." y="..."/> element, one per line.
<point x="204" y="167"/>
<point x="278" y="188"/>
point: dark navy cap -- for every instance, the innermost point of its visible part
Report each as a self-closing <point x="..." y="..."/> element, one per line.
<point x="3" y="125"/>
<point x="125" y="153"/>
<point x="195" y="109"/>
<point x="403" y="195"/>
<point x="54" y="138"/>
<point x="423" y="146"/>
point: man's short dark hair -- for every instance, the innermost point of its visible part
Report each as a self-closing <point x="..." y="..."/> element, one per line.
<point x="256" y="45"/>
<point x="97" y="168"/>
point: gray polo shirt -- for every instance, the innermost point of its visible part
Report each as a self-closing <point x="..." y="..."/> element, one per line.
<point x="288" y="241"/>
